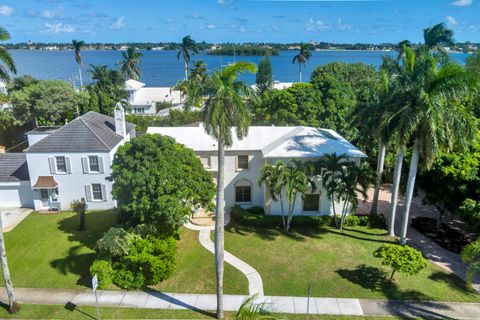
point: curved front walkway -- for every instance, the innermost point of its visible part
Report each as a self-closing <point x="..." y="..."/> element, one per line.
<point x="255" y="283"/>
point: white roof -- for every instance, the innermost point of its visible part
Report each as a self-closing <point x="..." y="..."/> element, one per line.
<point x="273" y="142"/>
<point x="282" y="85"/>
<point x="149" y="95"/>
<point x="131" y="85"/>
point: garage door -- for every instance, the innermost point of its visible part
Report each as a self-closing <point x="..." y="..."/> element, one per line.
<point x="16" y="195"/>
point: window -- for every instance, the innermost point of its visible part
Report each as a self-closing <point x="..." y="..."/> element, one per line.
<point x="311" y="202"/>
<point x="43" y="194"/>
<point x="61" y="164"/>
<point x="97" y="192"/>
<point x="93" y="163"/>
<point x="243" y="194"/>
<point x="206" y="161"/>
<point x="139" y="110"/>
<point x="242" y="162"/>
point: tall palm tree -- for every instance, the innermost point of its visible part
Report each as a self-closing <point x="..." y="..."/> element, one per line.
<point x="7" y="65"/>
<point x="296" y="183"/>
<point x="198" y="72"/>
<point x="77" y="47"/>
<point x="332" y="165"/>
<point x="187" y="45"/>
<point x="433" y="114"/>
<point x="437" y="37"/>
<point x="224" y="114"/>
<point x="129" y="64"/>
<point x="301" y="58"/>
<point x="273" y="175"/>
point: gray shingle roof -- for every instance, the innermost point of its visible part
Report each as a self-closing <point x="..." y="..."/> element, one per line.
<point x="91" y="132"/>
<point x="13" y="167"/>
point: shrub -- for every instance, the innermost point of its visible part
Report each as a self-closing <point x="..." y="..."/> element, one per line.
<point x="256" y="210"/>
<point x="377" y="221"/>
<point x="363" y="221"/>
<point x="470" y="211"/>
<point x="127" y="279"/>
<point x="351" y="221"/>
<point x="79" y="207"/>
<point x="403" y="259"/>
<point x="115" y="242"/>
<point x="160" y="105"/>
<point x="104" y="271"/>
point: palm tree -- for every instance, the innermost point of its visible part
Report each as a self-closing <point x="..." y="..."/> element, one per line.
<point x="224" y="114"/>
<point x="433" y="114"/>
<point x="198" y="72"/>
<point x="77" y="47"/>
<point x="273" y="175"/>
<point x="13" y="306"/>
<point x="249" y="310"/>
<point x="187" y="45"/>
<point x="332" y="165"/>
<point x="129" y="64"/>
<point x="471" y="255"/>
<point x="301" y="58"/>
<point x="296" y="184"/>
<point x="7" y="64"/>
<point x="401" y="48"/>
<point x="438" y="36"/>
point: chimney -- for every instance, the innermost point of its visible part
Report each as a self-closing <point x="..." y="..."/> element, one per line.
<point x="2" y="149"/>
<point x="120" y="127"/>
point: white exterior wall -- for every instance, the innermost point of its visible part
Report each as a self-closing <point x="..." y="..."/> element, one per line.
<point x="71" y="186"/>
<point x="16" y="194"/>
<point x="149" y="109"/>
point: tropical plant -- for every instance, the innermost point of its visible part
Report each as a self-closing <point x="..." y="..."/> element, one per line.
<point x="403" y="259"/>
<point x="331" y="167"/>
<point x="198" y="73"/>
<point x="437" y="37"/>
<point x="188" y="45"/>
<point x="129" y="64"/>
<point x="250" y="310"/>
<point x="264" y="79"/>
<point x="295" y="184"/>
<point x="79" y="207"/>
<point x="13" y="305"/>
<point x="77" y="47"/>
<point x="224" y="113"/>
<point x="273" y="175"/>
<point x="301" y="58"/>
<point x="7" y="64"/>
<point x="471" y="255"/>
<point x="106" y="90"/>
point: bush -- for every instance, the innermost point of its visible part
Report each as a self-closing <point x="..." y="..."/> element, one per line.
<point x="104" y="271"/>
<point x="115" y="242"/>
<point x="160" y="105"/>
<point x="404" y="259"/>
<point x="351" y="221"/>
<point x="470" y="212"/>
<point x="377" y="221"/>
<point x="127" y="279"/>
<point x="256" y="210"/>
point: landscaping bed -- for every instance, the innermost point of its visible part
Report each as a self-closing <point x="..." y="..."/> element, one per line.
<point x="447" y="237"/>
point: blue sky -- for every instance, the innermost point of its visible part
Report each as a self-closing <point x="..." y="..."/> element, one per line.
<point x="236" y="20"/>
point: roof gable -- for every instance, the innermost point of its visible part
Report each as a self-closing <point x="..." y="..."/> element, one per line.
<point x="13" y="167"/>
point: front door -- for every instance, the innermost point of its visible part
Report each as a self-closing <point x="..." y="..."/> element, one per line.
<point x="44" y="198"/>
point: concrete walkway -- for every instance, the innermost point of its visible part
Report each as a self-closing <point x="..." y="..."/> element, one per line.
<point x="255" y="283"/>
<point x="280" y="304"/>
<point x="448" y="260"/>
<point x="11" y="217"/>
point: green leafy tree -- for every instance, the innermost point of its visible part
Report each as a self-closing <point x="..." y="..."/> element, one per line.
<point x="264" y="78"/>
<point x="106" y="90"/>
<point x="403" y="259"/>
<point x="7" y="65"/>
<point x="77" y="47"/>
<point x="437" y="37"/>
<point x="129" y="64"/>
<point x="23" y="81"/>
<point x="225" y="113"/>
<point x="188" y="45"/>
<point x="473" y="62"/>
<point x="164" y="192"/>
<point x="301" y="58"/>
<point x="80" y="207"/>
<point x="471" y="255"/>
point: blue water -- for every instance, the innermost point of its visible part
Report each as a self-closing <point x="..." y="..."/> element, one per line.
<point x="161" y="68"/>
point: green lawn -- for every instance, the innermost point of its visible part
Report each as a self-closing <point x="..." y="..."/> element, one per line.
<point x="46" y="251"/>
<point x="60" y="312"/>
<point x="336" y="264"/>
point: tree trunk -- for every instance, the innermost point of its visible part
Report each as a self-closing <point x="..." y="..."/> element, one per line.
<point x="440" y="218"/>
<point x="412" y="174"/>
<point x="290" y="212"/>
<point x="391" y="276"/>
<point x="397" y="174"/>
<point x="80" y="75"/>
<point x="82" y="221"/>
<point x="13" y="306"/>
<point x="378" y="182"/>
<point x="334" y="211"/>
<point x="186" y="69"/>
<point x="219" y="228"/>
<point x="344" y="214"/>
<point x="283" y="210"/>
<point x="299" y="72"/>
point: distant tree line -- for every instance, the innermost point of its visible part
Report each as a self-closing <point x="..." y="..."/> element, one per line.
<point x="244" y="50"/>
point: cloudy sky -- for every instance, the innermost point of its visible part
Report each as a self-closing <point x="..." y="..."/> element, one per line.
<point x="337" y="21"/>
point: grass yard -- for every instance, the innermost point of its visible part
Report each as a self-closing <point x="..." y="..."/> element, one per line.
<point x="60" y="312"/>
<point x="47" y="251"/>
<point x="336" y="264"/>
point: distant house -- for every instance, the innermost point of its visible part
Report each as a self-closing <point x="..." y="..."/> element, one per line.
<point x="246" y="157"/>
<point x="66" y="163"/>
<point x="143" y="100"/>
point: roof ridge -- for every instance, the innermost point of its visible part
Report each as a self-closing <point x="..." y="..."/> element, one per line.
<point x="269" y="147"/>
<point x="91" y="130"/>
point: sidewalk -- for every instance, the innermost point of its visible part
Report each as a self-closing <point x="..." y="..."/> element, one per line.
<point x="207" y="302"/>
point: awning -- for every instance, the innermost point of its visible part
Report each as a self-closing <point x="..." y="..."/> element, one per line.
<point x="45" y="182"/>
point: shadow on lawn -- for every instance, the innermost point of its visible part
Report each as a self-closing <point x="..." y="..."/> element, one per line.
<point x="77" y="263"/>
<point x="453" y="282"/>
<point x="270" y="233"/>
<point x="377" y="280"/>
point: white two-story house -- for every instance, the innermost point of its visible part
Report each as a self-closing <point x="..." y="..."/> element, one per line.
<point x="73" y="161"/>
<point x="245" y="158"/>
<point x="143" y="100"/>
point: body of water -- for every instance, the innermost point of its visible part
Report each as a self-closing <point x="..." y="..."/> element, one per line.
<point x="161" y="68"/>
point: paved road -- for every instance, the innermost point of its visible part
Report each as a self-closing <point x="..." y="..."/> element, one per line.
<point x="207" y="302"/>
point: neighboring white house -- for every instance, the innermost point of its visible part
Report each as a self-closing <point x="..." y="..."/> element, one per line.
<point x="143" y="100"/>
<point x="15" y="190"/>
<point x="67" y="163"/>
<point x="245" y="158"/>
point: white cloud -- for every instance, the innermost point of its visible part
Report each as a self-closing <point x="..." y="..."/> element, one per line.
<point x="118" y="24"/>
<point x="462" y="3"/>
<point x="221" y="1"/>
<point x="53" y="13"/>
<point x="5" y="10"/>
<point x="451" y="21"/>
<point x="341" y="26"/>
<point x="317" y="25"/>
<point x="59" y="27"/>
<point x="210" y="26"/>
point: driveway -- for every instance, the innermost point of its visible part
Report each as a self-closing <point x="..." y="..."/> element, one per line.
<point x="13" y="216"/>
